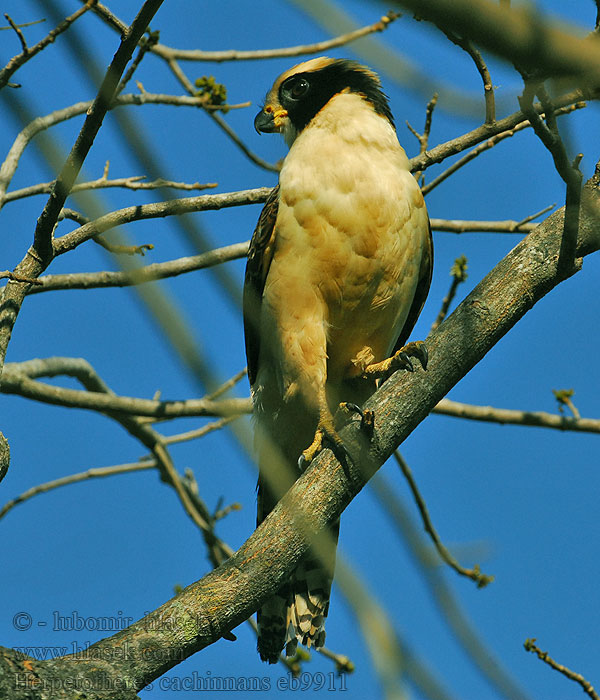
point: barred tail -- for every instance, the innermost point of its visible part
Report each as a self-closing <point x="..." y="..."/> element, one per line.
<point x="297" y="612"/>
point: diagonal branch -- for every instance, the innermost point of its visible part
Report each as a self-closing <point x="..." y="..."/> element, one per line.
<point x="486" y="131"/>
<point x="586" y="686"/>
<point x="482" y="580"/>
<point x="93" y="122"/>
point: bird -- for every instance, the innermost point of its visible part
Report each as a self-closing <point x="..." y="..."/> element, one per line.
<point x="338" y="270"/>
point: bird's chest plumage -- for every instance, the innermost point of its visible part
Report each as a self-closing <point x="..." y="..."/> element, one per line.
<point x="349" y="234"/>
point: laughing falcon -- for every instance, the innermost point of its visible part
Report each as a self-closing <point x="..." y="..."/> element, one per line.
<point x="338" y="271"/>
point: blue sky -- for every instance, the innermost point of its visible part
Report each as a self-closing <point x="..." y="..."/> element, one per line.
<point x="521" y="502"/>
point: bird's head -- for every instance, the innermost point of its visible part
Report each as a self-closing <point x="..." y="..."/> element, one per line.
<point x="302" y="91"/>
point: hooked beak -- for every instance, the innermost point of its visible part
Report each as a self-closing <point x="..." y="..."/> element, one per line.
<point x="269" y="119"/>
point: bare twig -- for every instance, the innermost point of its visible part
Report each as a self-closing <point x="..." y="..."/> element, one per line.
<point x="22" y="25"/>
<point x="490" y="143"/>
<point x="94" y="473"/>
<point x="423" y="138"/>
<point x="73" y="215"/>
<point x="460" y="226"/>
<point x="486" y="131"/>
<point x="119" y="249"/>
<point x="129" y="183"/>
<point x="488" y="87"/>
<point x="587" y="687"/>
<point x="169" y="53"/>
<point x="532" y="217"/>
<point x="158" y="209"/>
<point x="467" y="634"/>
<point x="474" y="574"/>
<point x="230" y="383"/>
<point x="458" y="272"/>
<point x="538" y="419"/>
<point x="221" y="512"/>
<point x="218" y="120"/>
<point x="569" y="172"/>
<point x="342" y="663"/>
<point x="564" y="398"/>
<point x="18" y="32"/>
<point x="29" y="52"/>
<point x="15" y="381"/>
<point x="148" y="273"/>
<point x="199" y="432"/>
<point x="145" y="44"/>
<point x="9" y="166"/>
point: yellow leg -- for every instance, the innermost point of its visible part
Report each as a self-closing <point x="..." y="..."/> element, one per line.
<point x="325" y="431"/>
<point x="399" y="360"/>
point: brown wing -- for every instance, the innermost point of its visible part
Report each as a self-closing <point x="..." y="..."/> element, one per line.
<point x="260" y="255"/>
<point x="421" y="292"/>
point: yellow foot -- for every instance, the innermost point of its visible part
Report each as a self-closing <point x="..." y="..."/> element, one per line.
<point x="399" y="360"/>
<point x="326" y="432"/>
<point x="311" y="452"/>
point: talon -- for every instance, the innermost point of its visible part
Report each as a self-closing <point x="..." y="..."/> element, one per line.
<point x="399" y="360"/>
<point x="367" y="418"/>
<point x="344" y="413"/>
<point x="302" y="463"/>
<point x="419" y="350"/>
<point x="367" y="422"/>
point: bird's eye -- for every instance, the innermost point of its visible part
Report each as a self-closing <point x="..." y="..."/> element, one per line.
<point x="298" y="88"/>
